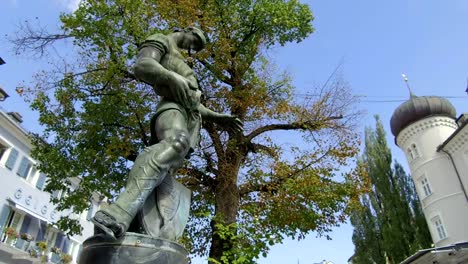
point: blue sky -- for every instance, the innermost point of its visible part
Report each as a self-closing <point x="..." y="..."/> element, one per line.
<point x="376" y="40"/>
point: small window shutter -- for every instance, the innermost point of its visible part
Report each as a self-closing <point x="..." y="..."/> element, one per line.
<point x="24" y="229"/>
<point x="4" y="216"/>
<point x="24" y="167"/>
<point x="55" y="194"/>
<point x="26" y="222"/>
<point x="10" y="163"/>
<point x="66" y="245"/>
<point x="42" y="231"/>
<point x="59" y="241"/>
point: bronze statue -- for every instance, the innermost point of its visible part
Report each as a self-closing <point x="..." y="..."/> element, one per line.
<point x="175" y="130"/>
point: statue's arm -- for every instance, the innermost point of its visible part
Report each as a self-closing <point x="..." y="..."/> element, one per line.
<point x="165" y="83"/>
<point x="148" y="69"/>
<point x="208" y="114"/>
<point x="229" y="122"/>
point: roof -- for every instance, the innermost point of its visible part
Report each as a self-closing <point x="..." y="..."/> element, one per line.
<point x="417" y="108"/>
<point x="456" y="253"/>
<point x="462" y="122"/>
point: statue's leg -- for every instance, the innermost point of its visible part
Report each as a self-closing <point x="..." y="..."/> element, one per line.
<point x="148" y="171"/>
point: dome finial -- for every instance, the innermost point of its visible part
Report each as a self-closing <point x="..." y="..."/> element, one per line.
<point x="405" y="78"/>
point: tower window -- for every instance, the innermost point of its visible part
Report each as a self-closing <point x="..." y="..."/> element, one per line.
<point x="426" y="187"/>
<point x="413" y="152"/>
<point x="439" y="227"/>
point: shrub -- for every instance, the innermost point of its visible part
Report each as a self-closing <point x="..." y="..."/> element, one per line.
<point x="42" y="245"/>
<point x="27" y="237"/>
<point x="33" y="253"/>
<point x="56" y="250"/>
<point x="65" y="258"/>
<point x="11" y="232"/>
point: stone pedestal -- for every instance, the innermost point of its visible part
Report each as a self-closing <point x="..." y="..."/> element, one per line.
<point x="132" y="248"/>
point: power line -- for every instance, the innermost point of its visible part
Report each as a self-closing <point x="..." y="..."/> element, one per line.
<point x="382" y="96"/>
<point x="390" y="98"/>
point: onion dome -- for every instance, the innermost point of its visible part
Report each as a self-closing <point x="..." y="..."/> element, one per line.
<point x="417" y="108"/>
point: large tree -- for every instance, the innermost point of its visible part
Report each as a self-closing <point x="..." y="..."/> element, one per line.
<point x="388" y="226"/>
<point x="249" y="190"/>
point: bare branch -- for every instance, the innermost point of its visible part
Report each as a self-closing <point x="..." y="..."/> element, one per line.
<point x="255" y="148"/>
<point x="141" y="126"/>
<point x="209" y="163"/>
<point x="221" y="77"/>
<point x="218" y="145"/>
<point x="200" y="176"/>
<point x="307" y="125"/>
<point x="35" y="40"/>
<point x="115" y="124"/>
<point x="271" y="186"/>
<point x="71" y="75"/>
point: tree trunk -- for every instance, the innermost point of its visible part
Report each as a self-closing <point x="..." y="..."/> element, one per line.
<point x="226" y="205"/>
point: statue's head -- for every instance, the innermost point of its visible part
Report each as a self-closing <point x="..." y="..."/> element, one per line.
<point x="193" y="38"/>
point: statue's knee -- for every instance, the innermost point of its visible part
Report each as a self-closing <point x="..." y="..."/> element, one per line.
<point x="180" y="143"/>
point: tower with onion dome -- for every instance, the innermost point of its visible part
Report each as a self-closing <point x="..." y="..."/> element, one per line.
<point x="422" y="127"/>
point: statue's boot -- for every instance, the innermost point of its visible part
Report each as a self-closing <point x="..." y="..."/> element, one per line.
<point x="149" y="170"/>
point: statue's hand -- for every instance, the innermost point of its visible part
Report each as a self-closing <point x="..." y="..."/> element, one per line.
<point x="229" y="122"/>
<point x="183" y="93"/>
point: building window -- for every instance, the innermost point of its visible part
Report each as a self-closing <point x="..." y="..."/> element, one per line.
<point x="24" y="168"/>
<point x="40" y="184"/>
<point x="439" y="227"/>
<point x="413" y="152"/>
<point x="426" y="187"/>
<point x="32" y="175"/>
<point x="3" y="149"/>
<point x="56" y="194"/>
<point x="89" y="215"/>
<point x="10" y="163"/>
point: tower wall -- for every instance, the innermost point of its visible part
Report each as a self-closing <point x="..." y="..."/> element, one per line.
<point x="437" y="184"/>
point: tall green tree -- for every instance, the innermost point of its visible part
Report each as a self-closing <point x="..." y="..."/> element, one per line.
<point x="417" y="232"/>
<point x="250" y="190"/>
<point x="388" y="227"/>
<point x="366" y="237"/>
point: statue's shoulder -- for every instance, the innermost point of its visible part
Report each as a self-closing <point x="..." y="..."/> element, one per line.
<point x="157" y="40"/>
<point x="158" y="37"/>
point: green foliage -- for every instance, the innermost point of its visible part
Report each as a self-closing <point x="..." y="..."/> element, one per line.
<point x="388" y="226"/>
<point x="11" y="232"/>
<point x="42" y="245"/>
<point x="65" y="258"/>
<point x="250" y="190"/>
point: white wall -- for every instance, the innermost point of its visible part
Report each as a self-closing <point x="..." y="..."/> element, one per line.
<point x="21" y="195"/>
<point x="447" y="202"/>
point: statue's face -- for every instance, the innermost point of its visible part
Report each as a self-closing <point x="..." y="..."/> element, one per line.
<point x="190" y="41"/>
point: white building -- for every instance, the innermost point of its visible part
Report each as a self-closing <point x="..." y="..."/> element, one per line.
<point x="436" y="146"/>
<point x="23" y="203"/>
